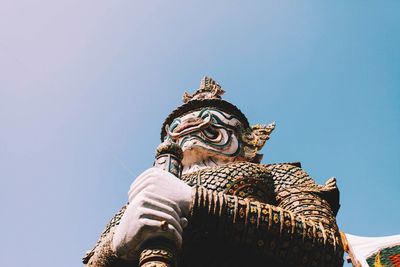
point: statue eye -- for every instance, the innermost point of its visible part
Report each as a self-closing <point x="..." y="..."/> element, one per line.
<point x="210" y="132"/>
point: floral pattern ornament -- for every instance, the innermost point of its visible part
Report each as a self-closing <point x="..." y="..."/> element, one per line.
<point x="386" y="257"/>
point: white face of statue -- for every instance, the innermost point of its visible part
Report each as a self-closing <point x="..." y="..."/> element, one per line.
<point x="208" y="137"/>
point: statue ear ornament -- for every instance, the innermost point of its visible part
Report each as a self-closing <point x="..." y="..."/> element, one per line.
<point x="254" y="139"/>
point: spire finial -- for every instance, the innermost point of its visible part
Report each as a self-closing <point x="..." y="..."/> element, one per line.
<point x="209" y="89"/>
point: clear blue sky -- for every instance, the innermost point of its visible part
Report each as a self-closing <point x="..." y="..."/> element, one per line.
<point x="86" y="85"/>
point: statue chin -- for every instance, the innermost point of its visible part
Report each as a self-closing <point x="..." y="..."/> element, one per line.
<point x="197" y="151"/>
<point x="198" y="157"/>
<point x="194" y="153"/>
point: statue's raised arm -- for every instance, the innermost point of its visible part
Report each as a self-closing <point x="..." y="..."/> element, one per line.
<point x="227" y="209"/>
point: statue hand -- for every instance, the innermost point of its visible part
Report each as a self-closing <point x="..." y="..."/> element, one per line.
<point x="155" y="196"/>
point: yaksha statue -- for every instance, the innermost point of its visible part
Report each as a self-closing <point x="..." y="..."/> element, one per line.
<point x="226" y="208"/>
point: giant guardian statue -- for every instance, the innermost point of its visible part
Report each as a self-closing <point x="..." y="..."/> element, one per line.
<point x="209" y="201"/>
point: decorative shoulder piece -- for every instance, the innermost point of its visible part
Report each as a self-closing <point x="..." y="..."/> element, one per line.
<point x="209" y="89"/>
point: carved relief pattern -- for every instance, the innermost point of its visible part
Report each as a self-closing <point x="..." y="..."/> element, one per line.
<point x="244" y="179"/>
<point x="291" y="239"/>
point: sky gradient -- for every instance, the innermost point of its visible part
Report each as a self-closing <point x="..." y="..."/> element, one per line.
<point x="86" y="85"/>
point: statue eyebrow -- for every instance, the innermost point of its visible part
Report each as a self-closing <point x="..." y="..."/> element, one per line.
<point x="218" y="111"/>
<point x="174" y="124"/>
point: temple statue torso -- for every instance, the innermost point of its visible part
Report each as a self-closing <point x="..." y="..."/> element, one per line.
<point x="213" y="243"/>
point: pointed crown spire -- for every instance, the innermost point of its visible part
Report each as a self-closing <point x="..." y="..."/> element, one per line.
<point x="209" y="89"/>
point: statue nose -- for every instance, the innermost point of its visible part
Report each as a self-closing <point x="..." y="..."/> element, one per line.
<point x="190" y="123"/>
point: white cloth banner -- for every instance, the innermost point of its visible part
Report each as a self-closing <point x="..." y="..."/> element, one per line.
<point x="374" y="251"/>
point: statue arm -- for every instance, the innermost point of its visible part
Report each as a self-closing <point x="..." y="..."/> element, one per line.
<point x="102" y="254"/>
<point x="292" y="238"/>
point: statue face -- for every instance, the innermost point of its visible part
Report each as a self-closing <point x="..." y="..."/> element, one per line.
<point x="206" y="133"/>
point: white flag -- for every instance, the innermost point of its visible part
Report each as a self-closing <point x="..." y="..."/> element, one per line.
<point x="373" y="251"/>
